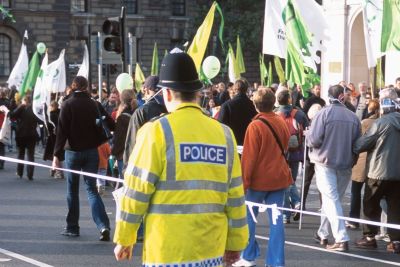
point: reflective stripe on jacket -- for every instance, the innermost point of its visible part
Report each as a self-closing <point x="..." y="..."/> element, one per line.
<point x="184" y="176"/>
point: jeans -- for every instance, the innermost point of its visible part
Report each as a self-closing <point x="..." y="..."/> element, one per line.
<point x="87" y="161"/>
<point x="355" y="204"/>
<point x="275" y="255"/>
<point x="292" y="197"/>
<point x="26" y="143"/>
<point x="332" y="184"/>
<point x="375" y="190"/>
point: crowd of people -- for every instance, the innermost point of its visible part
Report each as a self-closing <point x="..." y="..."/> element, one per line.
<point x="175" y="159"/>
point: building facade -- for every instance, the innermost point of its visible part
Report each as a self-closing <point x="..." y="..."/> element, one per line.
<point x="345" y="57"/>
<point x="65" y="24"/>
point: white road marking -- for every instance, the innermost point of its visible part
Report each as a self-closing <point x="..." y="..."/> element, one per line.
<point x="4" y="260"/>
<point x="23" y="258"/>
<point x="336" y="252"/>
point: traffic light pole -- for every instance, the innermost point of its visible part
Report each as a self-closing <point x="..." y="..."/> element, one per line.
<point x="99" y="62"/>
<point x="122" y="31"/>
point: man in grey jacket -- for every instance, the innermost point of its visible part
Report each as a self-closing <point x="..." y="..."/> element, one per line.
<point x="333" y="132"/>
<point x="383" y="172"/>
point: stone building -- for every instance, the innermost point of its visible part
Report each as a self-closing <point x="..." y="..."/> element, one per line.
<point x="65" y="24"/>
<point x="345" y="57"/>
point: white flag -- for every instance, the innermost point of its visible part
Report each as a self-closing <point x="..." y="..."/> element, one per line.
<point x="274" y="36"/>
<point x="40" y="92"/>
<point x="372" y="15"/>
<point x="55" y="77"/>
<point x="233" y="72"/>
<point x="84" y="69"/>
<point x="20" y="68"/>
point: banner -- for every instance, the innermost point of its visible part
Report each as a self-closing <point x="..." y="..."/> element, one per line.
<point x="390" y="26"/>
<point x="40" y="92"/>
<point x="55" y="77"/>
<point x="239" y="57"/>
<point x="199" y="44"/>
<point x="274" y="36"/>
<point x="20" y="69"/>
<point x="233" y="71"/>
<point x="139" y="78"/>
<point x="30" y="79"/>
<point x="84" y="69"/>
<point x="372" y="20"/>
<point x="154" y="62"/>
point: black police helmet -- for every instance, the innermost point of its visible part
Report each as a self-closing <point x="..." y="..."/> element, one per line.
<point x="178" y="73"/>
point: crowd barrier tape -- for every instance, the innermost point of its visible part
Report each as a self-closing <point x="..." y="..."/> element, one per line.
<point x="276" y="211"/>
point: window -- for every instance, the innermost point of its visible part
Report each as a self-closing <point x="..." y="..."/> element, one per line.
<point x="5" y="55"/>
<point x="78" y="5"/>
<point x="178" y="8"/>
<point x="130" y="5"/>
<point x="5" y="3"/>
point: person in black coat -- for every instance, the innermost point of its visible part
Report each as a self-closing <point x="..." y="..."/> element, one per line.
<point x="238" y="112"/>
<point x="80" y="131"/>
<point x="26" y="134"/>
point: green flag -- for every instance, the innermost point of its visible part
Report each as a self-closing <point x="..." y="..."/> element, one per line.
<point x="379" y="83"/>
<point x="279" y="69"/>
<point x="6" y="14"/>
<point x="269" y="83"/>
<point x="139" y="77"/>
<point x="263" y="70"/>
<point x="298" y="40"/>
<point x="239" y="56"/>
<point x="154" y="63"/>
<point x="30" y="79"/>
<point x="390" y="25"/>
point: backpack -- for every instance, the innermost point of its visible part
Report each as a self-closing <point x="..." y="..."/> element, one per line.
<point x="295" y="130"/>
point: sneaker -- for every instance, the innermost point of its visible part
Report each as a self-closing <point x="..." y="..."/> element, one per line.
<point x="296" y="215"/>
<point x="286" y="220"/>
<point x="72" y="233"/>
<point x="244" y="263"/>
<point x="351" y="225"/>
<point x="384" y="237"/>
<point x="366" y="243"/>
<point x="393" y="247"/>
<point x="105" y="234"/>
<point x="322" y="242"/>
<point x="52" y="172"/>
<point x="58" y="174"/>
<point x="339" y="246"/>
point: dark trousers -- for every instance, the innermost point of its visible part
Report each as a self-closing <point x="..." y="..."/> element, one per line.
<point x="28" y="144"/>
<point x="308" y="174"/>
<point x="355" y="204"/>
<point x="375" y="190"/>
<point x="2" y="153"/>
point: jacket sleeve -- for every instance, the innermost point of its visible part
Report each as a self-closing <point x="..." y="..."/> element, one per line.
<point x="224" y="114"/>
<point x="238" y="232"/>
<point x="62" y="132"/>
<point x="130" y="140"/>
<point x="109" y="120"/>
<point x="140" y="178"/>
<point x="316" y="134"/>
<point x="251" y="146"/>
<point x="368" y="140"/>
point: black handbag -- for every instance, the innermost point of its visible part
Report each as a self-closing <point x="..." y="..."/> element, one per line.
<point x="102" y="124"/>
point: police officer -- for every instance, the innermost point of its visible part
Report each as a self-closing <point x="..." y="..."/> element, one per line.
<point x="184" y="177"/>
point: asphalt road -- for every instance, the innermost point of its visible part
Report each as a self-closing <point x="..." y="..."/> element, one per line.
<point x="32" y="214"/>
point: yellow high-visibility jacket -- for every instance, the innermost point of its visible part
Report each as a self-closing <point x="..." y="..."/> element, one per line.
<point x="184" y="178"/>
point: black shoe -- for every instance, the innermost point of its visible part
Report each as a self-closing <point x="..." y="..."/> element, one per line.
<point x="322" y="242"/>
<point x="30" y="178"/>
<point x="352" y="225"/>
<point x="296" y="215"/>
<point x="341" y="246"/>
<point x="105" y="234"/>
<point x="72" y="233"/>
<point x="366" y="243"/>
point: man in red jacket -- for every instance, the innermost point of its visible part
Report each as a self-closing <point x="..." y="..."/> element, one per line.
<point x="266" y="176"/>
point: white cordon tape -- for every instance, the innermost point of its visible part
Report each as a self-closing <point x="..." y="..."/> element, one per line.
<point x="93" y="175"/>
<point x="262" y="207"/>
<point x="276" y="210"/>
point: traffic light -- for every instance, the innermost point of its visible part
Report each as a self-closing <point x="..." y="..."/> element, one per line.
<point x="112" y="35"/>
